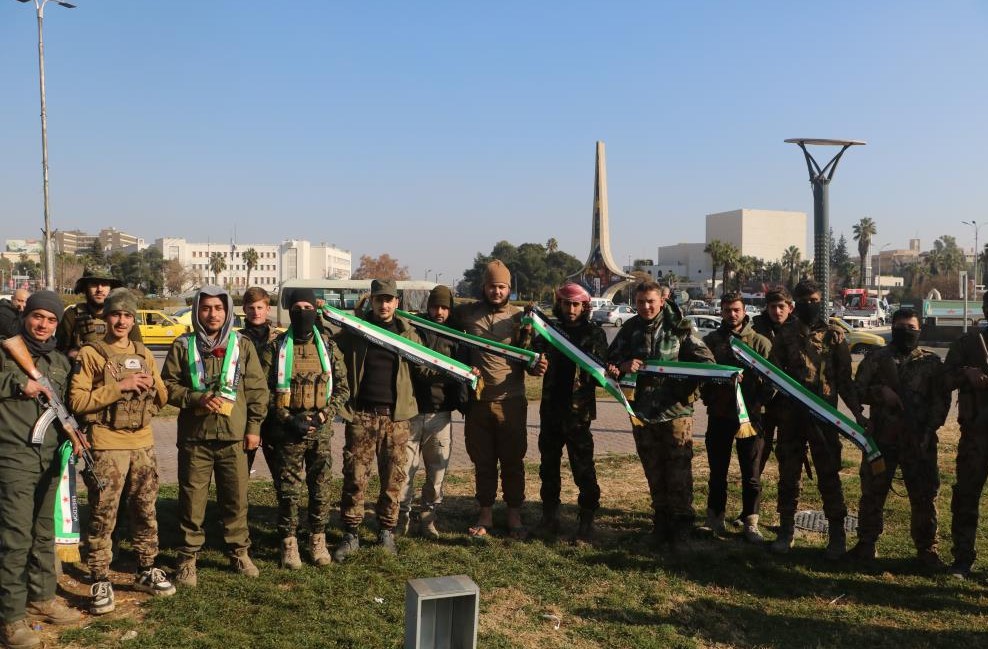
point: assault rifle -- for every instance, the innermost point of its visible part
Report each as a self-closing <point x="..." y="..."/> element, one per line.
<point x="54" y="409"/>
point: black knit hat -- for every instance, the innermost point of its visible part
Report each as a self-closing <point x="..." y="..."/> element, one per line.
<point x="441" y="296"/>
<point x="302" y="295"/>
<point x="46" y="301"/>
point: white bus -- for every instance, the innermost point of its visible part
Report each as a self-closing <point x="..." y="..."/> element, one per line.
<point x="345" y="293"/>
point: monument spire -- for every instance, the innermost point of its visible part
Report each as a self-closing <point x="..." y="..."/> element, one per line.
<point x="600" y="275"/>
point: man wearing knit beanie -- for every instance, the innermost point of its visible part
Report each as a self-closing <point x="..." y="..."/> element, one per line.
<point x="496" y="418"/>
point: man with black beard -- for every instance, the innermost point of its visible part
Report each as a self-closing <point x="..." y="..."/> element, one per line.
<point x="85" y="322"/>
<point x="813" y="352"/>
<point x="904" y="385"/>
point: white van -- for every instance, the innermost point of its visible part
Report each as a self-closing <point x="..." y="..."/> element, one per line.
<point x="345" y="293"/>
<point x="599" y="303"/>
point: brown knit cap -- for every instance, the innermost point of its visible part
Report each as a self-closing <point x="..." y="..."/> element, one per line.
<point x="441" y="296"/>
<point x="497" y="273"/>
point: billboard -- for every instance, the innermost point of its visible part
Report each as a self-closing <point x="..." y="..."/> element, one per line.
<point x="28" y="246"/>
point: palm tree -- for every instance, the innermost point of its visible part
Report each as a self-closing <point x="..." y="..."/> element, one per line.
<point x="805" y="269"/>
<point x="551" y="245"/>
<point x="250" y="260"/>
<point x="744" y="270"/>
<point x="716" y="251"/>
<point x="217" y="264"/>
<point x="864" y="230"/>
<point x="729" y="259"/>
<point x="790" y="261"/>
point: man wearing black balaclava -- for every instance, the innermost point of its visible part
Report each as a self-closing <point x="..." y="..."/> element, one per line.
<point x="307" y="378"/>
<point x="904" y="385"/>
<point x="813" y="352"/>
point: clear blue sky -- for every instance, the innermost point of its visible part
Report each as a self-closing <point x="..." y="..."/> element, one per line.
<point x="430" y="130"/>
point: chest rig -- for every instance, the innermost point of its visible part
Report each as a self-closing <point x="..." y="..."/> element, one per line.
<point x="133" y="411"/>
<point x="309" y="383"/>
<point x="88" y="328"/>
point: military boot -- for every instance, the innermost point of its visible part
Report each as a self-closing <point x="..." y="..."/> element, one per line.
<point x="837" y="542"/>
<point x="930" y="559"/>
<point x="661" y="529"/>
<point x="242" y="565"/>
<point x="290" y="558"/>
<point x="548" y="526"/>
<point x="751" y="532"/>
<point x="348" y="546"/>
<point x="403" y="523"/>
<point x="185" y="575"/>
<point x="681" y="540"/>
<point x="783" y="540"/>
<point x="714" y="524"/>
<point x="318" y="550"/>
<point x="18" y="635"/>
<point x="863" y="551"/>
<point x="584" y="529"/>
<point x="427" y="525"/>
<point x="53" y="611"/>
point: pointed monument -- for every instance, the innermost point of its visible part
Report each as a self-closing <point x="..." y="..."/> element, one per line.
<point x="600" y="275"/>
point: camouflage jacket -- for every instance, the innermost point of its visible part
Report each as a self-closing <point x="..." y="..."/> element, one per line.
<point x="563" y="387"/>
<point x="817" y="357"/>
<point x="967" y="351"/>
<point x="917" y="378"/>
<point x="307" y="359"/>
<point x="764" y="326"/>
<point x="72" y="332"/>
<point x="669" y="337"/>
<point x="720" y="399"/>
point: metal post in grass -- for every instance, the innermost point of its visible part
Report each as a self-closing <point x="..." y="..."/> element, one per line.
<point x="441" y="613"/>
<point x="820" y="178"/>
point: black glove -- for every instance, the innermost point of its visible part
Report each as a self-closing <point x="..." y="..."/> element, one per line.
<point x="304" y="423"/>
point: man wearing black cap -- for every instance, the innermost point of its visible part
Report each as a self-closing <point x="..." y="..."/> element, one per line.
<point x="29" y="473"/>
<point x="382" y="400"/>
<point x="308" y="384"/>
<point x="85" y="322"/>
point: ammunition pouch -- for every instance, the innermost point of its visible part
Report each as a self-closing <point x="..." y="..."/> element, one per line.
<point x="88" y="329"/>
<point x="308" y="391"/>
<point x="132" y="411"/>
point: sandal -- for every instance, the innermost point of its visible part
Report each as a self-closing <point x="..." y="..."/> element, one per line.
<point x="478" y="531"/>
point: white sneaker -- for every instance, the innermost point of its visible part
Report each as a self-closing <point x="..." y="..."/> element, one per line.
<point x="153" y="581"/>
<point x="101" y="598"/>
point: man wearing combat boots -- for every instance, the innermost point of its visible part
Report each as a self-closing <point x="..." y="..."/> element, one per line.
<point x="430" y="436"/>
<point x="29" y="473"/>
<point x="85" y="322"/>
<point x="664" y="438"/>
<point x="778" y="308"/>
<point x="904" y="385"/>
<point x="966" y="370"/>
<point x="308" y="384"/>
<point x="382" y="400"/>
<point x="814" y="353"/>
<point x="724" y="425"/>
<point x="257" y="328"/>
<point x="569" y="404"/>
<point x="116" y="390"/>
<point x="214" y="377"/>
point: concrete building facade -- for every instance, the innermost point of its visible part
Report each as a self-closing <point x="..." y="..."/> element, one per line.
<point x="765" y="234"/>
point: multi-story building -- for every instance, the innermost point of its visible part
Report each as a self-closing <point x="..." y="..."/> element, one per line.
<point x="765" y="234"/>
<point x="74" y="242"/>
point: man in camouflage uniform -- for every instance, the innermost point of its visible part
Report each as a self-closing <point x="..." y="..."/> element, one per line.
<point x="569" y="404"/>
<point x="214" y="377"/>
<point x="28" y="477"/>
<point x="778" y="308"/>
<point x="84" y="322"/>
<point x="258" y="329"/>
<point x="813" y="352"/>
<point x="308" y="384"/>
<point x="724" y="427"/>
<point x="665" y="406"/>
<point x="430" y="436"/>
<point x="904" y="385"/>
<point x="382" y="400"/>
<point x="116" y="390"/>
<point x="966" y="370"/>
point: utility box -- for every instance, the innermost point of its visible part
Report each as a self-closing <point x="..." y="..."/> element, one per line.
<point x="441" y="613"/>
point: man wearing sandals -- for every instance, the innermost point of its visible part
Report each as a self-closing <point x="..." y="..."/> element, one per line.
<point x="116" y="390"/>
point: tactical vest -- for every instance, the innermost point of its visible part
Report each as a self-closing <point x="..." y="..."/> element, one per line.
<point x="309" y="382"/>
<point x="87" y="327"/>
<point x="133" y="411"/>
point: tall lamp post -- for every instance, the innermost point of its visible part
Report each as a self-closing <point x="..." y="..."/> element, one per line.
<point x="820" y="178"/>
<point x="977" y="264"/>
<point x="49" y="248"/>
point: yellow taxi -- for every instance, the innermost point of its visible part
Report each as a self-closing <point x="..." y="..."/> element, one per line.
<point x="859" y="340"/>
<point x="159" y="328"/>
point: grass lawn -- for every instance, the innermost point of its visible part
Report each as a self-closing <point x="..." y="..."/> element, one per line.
<point x="620" y="592"/>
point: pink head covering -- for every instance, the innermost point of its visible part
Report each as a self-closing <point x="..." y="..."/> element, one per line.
<point x="572" y="292"/>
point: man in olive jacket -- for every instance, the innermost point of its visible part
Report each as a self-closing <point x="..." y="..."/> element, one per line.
<point x="213" y="375"/>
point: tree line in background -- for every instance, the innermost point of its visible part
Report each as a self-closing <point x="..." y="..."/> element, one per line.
<point x="536" y="269"/>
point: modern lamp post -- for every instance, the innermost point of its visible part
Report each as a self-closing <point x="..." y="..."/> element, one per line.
<point x="820" y="178"/>
<point x="977" y="264"/>
<point x="49" y="248"/>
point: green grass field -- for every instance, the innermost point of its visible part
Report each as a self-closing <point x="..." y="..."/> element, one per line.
<point x="621" y="592"/>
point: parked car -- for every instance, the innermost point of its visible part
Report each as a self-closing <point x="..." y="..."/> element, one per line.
<point x="859" y="340"/>
<point x="159" y="328"/>
<point x="751" y="310"/>
<point x="616" y="315"/>
<point x="699" y="307"/>
<point x="703" y="324"/>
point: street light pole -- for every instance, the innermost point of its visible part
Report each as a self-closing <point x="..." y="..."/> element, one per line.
<point x="977" y="264"/>
<point x="48" y="247"/>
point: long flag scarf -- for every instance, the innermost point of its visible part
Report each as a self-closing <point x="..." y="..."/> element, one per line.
<point x="66" y="514"/>
<point x="817" y="406"/>
<point x="592" y="366"/>
<point x="286" y="361"/>
<point x="403" y="347"/>
<point x="512" y="353"/>
<point x="727" y="374"/>
<point x="227" y="387"/>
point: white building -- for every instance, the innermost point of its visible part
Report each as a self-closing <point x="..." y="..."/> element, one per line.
<point x="765" y="234"/>
<point x="292" y="259"/>
<point x="686" y="260"/>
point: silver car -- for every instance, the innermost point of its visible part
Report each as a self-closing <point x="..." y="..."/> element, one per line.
<point x="615" y="315"/>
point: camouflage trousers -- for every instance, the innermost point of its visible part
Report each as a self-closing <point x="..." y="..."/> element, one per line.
<point x="431" y="440"/>
<point x="797" y="431"/>
<point x="495" y="435"/>
<point x="972" y="471"/>
<point x="133" y="474"/>
<point x="666" y="453"/>
<point x="922" y="478"/>
<point x="570" y="430"/>
<point x="720" y="440"/>
<point x="304" y="461"/>
<point x="370" y="437"/>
